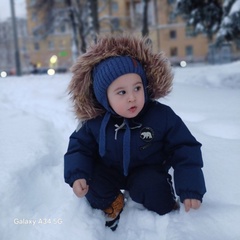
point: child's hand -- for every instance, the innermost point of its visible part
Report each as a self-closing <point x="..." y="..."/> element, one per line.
<point x="80" y="187"/>
<point x="191" y="203"/>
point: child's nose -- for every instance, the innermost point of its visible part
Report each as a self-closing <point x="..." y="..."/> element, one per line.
<point x="131" y="98"/>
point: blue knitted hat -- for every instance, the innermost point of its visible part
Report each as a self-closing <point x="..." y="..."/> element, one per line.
<point x="111" y="68"/>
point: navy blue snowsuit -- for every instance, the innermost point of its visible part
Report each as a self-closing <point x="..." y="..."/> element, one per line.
<point x="159" y="140"/>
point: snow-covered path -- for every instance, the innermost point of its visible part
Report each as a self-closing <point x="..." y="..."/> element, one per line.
<point x="35" y="123"/>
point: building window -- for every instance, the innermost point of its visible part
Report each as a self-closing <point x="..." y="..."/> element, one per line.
<point x="63" y="28"/>
<point x="34" y="17"/>
<point x="52" y="30"/>
<point x="173" y="34"/>
<point x="35" y="34"/>
<point x="171" y="1"/>
<point x="173" y="52"/>
<point x="62" y="44"/>
<point x="189" y="51"/>
<point x="50" y="45"/>
<point x="115" y="23"/>
<point x="114" y="6"/>
<point x="36" y="46"/>
<point x="190" y="31"/>
<point x="172" y="17"/>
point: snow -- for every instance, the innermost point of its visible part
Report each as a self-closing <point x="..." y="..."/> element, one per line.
<point x="36" y="120"/>
<point x="235" y="7"/>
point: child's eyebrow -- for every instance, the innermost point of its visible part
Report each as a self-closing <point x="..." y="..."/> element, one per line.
<point x="122" y="87"/>
<point x="140" y="82"/>
<point x="118" y="89"/>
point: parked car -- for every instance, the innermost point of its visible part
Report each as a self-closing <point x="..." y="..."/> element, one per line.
<point x="45" y="70"/>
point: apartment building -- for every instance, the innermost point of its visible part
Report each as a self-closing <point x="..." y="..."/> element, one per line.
<point x="174" y="38"/>
<point x="7" y="48"/>
<point x="170" y="34"/>
<point x="52" y="49"/>
<point x="167" y="32"/>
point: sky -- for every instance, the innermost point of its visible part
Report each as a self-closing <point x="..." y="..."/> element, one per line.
<point x="5" y="6"/>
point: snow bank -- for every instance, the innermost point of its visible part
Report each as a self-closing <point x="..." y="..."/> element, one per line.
<point x="36" y="120"/>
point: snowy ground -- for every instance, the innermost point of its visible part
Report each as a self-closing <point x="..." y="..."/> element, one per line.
<point x="35" y="124"/>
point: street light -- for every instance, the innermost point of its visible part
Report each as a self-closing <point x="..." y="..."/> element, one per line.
<point x="53" y="59"/>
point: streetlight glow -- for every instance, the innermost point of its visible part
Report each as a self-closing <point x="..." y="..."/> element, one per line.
<point x="51" y="72"/>
<point x="3" y="74"/>
<point x="53" y="59"/>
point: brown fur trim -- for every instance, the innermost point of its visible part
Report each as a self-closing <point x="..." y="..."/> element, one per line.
<point x="157" y="67"/>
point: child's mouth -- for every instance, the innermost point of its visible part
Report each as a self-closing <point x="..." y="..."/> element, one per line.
<point x="132" y="109"/>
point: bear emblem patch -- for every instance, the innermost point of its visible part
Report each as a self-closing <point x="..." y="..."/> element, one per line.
<point x="146" y="134"/>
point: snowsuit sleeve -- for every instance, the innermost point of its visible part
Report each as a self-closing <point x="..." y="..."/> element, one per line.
<point x="185" y="158"/>
<point x="82" y="151"/>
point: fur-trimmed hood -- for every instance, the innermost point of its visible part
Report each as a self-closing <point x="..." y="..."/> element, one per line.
<point x="156" y="66"/>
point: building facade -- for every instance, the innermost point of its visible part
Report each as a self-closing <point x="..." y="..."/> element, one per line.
<point x="7" y="48"/>
<point x="168" y="32"/>
<point x="51" y="49"/>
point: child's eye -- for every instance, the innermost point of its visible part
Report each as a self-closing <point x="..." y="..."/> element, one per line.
<point x="121" y="92"/>
<point x="137" y="88"/>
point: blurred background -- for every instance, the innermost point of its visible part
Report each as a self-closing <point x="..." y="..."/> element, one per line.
<point x="46" y="36"/>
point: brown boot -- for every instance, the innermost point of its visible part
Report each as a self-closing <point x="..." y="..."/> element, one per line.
<point x="113" y="212"/>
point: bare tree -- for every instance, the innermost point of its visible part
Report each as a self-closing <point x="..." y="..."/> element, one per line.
<point x="81" y="11"/>
<point x="93" y="13"/>
<point x="75" y="45"/>
<point x="81" y="14"/>
<point x="145" y="30"/>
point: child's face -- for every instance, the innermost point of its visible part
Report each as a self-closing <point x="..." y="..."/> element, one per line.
<point x="126" y="95"/>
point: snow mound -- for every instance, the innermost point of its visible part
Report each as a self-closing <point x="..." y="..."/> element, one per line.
<point x="36" y="121"/>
